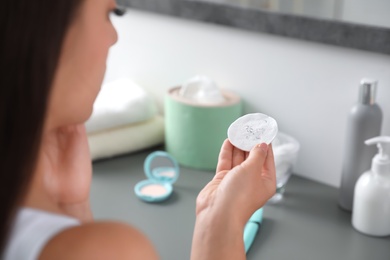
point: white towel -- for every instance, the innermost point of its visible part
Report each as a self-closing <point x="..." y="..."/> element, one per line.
<point x="126" y="139"/>
<point x="119" y="103"/>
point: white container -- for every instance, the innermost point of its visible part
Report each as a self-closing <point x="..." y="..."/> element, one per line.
<point x="286" y="150"/>
<point x="371" y="205"/>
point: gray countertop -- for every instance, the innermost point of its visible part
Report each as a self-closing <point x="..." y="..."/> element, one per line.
<point x="307" y="225"/>
<point x="334" y="32"/>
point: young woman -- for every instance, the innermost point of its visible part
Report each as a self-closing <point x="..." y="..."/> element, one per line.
<point x="52" y="60"/>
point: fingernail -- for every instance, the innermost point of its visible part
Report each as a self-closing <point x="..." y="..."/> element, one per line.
<point x="263" y="147"/>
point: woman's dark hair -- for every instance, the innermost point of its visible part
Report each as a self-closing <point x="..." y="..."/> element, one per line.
<point x="32" y="33"/>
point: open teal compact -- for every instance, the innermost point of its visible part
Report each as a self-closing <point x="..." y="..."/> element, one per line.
<point x="158" y="186"/>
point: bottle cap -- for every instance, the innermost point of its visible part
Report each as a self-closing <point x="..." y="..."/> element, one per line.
<point x="381" y="161"/>
<point x="368" y="91"/>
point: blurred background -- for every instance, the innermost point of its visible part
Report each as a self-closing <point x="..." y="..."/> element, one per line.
<point x="308" y="87"/>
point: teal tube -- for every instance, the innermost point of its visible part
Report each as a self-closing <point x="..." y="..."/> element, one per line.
<point x="252" y="228"/>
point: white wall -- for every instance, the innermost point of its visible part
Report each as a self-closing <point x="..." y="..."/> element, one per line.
<point x="308" y="87"/>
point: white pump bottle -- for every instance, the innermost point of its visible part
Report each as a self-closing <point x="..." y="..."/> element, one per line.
<point x="371" y="205"/>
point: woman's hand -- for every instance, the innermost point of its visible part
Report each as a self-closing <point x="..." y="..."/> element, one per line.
<point x="67" y="169"/>
<point x="243" y="183"/>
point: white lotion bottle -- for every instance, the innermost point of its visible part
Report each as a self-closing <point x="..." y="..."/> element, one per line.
<point x="371" y="205"/>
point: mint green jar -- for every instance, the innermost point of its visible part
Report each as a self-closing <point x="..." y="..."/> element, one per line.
<point x="195" y="132"/>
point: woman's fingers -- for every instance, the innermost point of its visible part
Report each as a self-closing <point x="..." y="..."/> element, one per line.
<point x="259" y="159"/>
<point x="238" y="157"/>
<point x="225" y="158"/>
<point x="269" y="165"/>
<point x="246" y="155"/>
<point x="256" y="158"/>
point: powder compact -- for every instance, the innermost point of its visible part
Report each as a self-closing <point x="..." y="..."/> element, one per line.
<point x="158" y="186"/>
<point x="252" y="129"/>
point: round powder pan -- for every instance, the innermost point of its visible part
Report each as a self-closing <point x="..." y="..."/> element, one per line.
<point x="252" y="129"/>
<point x="158" y="186"/>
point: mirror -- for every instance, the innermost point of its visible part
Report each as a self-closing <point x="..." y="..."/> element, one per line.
<point x="358" y="24"/>
<point x="373" y="12"/>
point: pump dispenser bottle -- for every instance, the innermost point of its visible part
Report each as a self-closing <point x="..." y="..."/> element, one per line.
<point x="371" y="205"/>
<point x="364" y="122"/>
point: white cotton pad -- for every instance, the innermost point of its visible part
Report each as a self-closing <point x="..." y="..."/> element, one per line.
<point x="252" y="129"/>
<point x="202" y="90"/>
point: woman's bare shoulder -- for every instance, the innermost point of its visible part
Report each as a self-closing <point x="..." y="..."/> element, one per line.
<point x="99" y="240"/>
